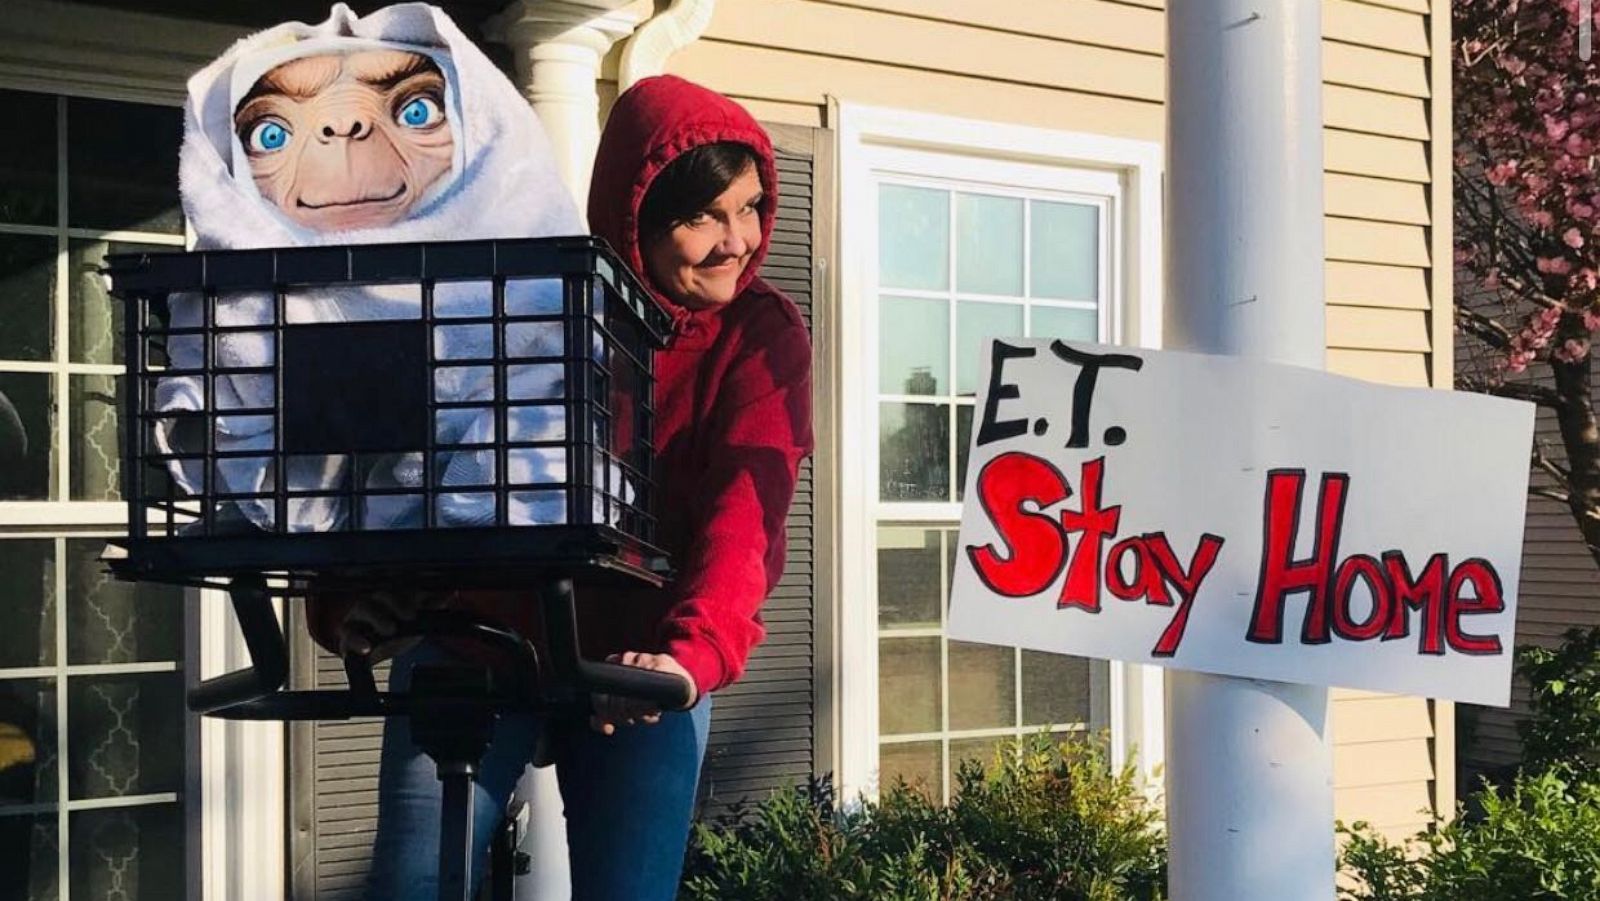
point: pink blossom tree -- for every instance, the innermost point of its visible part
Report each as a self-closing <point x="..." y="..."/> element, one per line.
<point x="1527" y="226"/>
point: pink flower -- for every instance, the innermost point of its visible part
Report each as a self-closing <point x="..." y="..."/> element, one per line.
<point x="1543" y="219"/>
<point x="1556" y="129"/>
<point x="1591" y="319"/>
<point x="1553" y="265"/>
<point x="1572" y="238"/>
<point x="1573" y="350"/>
<point x="1501" y="172"/>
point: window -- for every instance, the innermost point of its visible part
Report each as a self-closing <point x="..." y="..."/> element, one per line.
<point x="952" y="232"/>
<point x="93" y="747"/>
<point x="958" y="264"/>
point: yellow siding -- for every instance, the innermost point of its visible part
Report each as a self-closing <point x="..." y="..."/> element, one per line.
<point x="1095" y="66"/>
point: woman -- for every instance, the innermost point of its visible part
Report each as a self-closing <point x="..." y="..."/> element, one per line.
<point x="685" y="189"/>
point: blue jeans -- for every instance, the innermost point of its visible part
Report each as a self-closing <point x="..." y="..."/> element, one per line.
<point x="629" y="798"/>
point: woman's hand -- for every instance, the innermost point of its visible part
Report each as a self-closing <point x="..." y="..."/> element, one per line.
<point x="611" y="711"/>
<point x="376" y="616"/>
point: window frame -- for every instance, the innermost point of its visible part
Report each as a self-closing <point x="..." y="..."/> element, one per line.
<point x="875" y="144"/>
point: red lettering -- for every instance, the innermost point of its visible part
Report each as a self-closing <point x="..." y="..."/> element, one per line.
<point x="1365" y="567"/>
<point x="1488" y="598"/>
<point x="1082" y="588"/>
<point x="1282" y="574"/>
<point x="1424" y="593"/>
<point x="1185" y="582"/>
<point x="1146" y="582"/>
<point x="1033" y="548"/>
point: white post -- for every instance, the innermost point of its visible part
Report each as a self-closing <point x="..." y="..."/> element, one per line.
<point x="557" y="46"/>
<point x="1249" y="772"/>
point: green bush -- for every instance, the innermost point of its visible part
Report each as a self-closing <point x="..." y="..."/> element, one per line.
<point x="1043" y="821"/>
<point x="1537" y="841"/>
<point x="1564" y="723"/>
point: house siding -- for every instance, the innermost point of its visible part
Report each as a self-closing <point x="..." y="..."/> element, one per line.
<point x="1096" y="66"/>
<point x="1560" y="582"/>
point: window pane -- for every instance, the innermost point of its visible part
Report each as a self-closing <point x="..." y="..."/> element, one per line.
<point x="982" y="751"/>
<point x="908" y="685"/>
<point x="27" y="436"/>
<point x="1065" y="251"/>
<point x="963" y="447"/>
<point x="96" y="435"/>
<point x="913" y="238"/>
<point x="28" y="165"/>
<point x="914" y="452"/>
<point x="1066" y="324"/>
<point x="983" y="690"/>
<point x="27" y="742"/>
<point x="122" y="166"/>
<point x="126" y="734"/>
<point x="913" y="345"/>
<point x="27" y="604"/>
<point x="908" y="577"/>
<point x="915" y="763"/>
<point x="1055" y="689"/>
<point x="94" y="317"/>
<point x="988" y="244"/>
<point x="27" y="296"/>
<point x="976" y="323"/>
<point x="132" y="853"/>
<point x="28" y="867"/>
<point x="110" y="621"/>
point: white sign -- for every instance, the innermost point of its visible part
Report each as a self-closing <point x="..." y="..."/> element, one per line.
<point x="1243" y="518"/>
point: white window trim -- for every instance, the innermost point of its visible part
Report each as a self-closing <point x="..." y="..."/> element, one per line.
<point x="45" y="47"/>
<point x="979" y="148"/>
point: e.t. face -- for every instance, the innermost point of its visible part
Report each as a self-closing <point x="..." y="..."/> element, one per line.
<point x="347" y="141"/>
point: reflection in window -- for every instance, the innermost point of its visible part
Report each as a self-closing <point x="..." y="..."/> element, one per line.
<point x="988" y="244"/>
<point x="27" y="437"/>
<point x="27" y="296"/>
<point x="28" y="166"/>
<point x="122" y="168"/>
<point x="914" y="452"/>
<point x="914" y="238"/>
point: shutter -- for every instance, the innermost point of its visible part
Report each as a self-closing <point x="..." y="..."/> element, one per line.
<point x="333" y="779"/>
<point x="764" y="728"/>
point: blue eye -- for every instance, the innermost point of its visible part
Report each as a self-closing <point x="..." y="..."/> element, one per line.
<point x="267" y="136"/>
<point x="420" y="112"/>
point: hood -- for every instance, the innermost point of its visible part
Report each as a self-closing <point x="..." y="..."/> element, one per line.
<point x="650" y="125"/>
<point x="502" y="184"/>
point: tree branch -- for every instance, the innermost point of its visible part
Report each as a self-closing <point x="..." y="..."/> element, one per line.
<point x="1551" y="493"/>
<point x="1542" y="395"/>
<point x="1542" y="460"/>
<point x="1483" y="328"/>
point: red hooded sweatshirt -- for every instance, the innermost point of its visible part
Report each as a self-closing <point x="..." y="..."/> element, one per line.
<point x="733" y="416"/>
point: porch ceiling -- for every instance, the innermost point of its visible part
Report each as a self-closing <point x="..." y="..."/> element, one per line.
<point x="469" y="14"/>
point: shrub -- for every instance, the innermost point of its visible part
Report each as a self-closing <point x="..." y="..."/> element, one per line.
<point x="1564" y="722"/>
<point x="1042" y="821"/>
<point x="1538" y="841"/>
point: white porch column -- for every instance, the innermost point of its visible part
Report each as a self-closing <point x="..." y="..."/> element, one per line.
<point x="558" y="46"/>
<point x="1249" y="771"/>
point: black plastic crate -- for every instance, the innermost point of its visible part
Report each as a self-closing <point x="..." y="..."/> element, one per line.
<point x="478" y="406"/>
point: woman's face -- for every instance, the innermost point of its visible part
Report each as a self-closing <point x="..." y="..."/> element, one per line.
<point x="697" y="263"/>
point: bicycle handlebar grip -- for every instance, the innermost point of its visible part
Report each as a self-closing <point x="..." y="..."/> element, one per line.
<point x="670" y="692"/>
